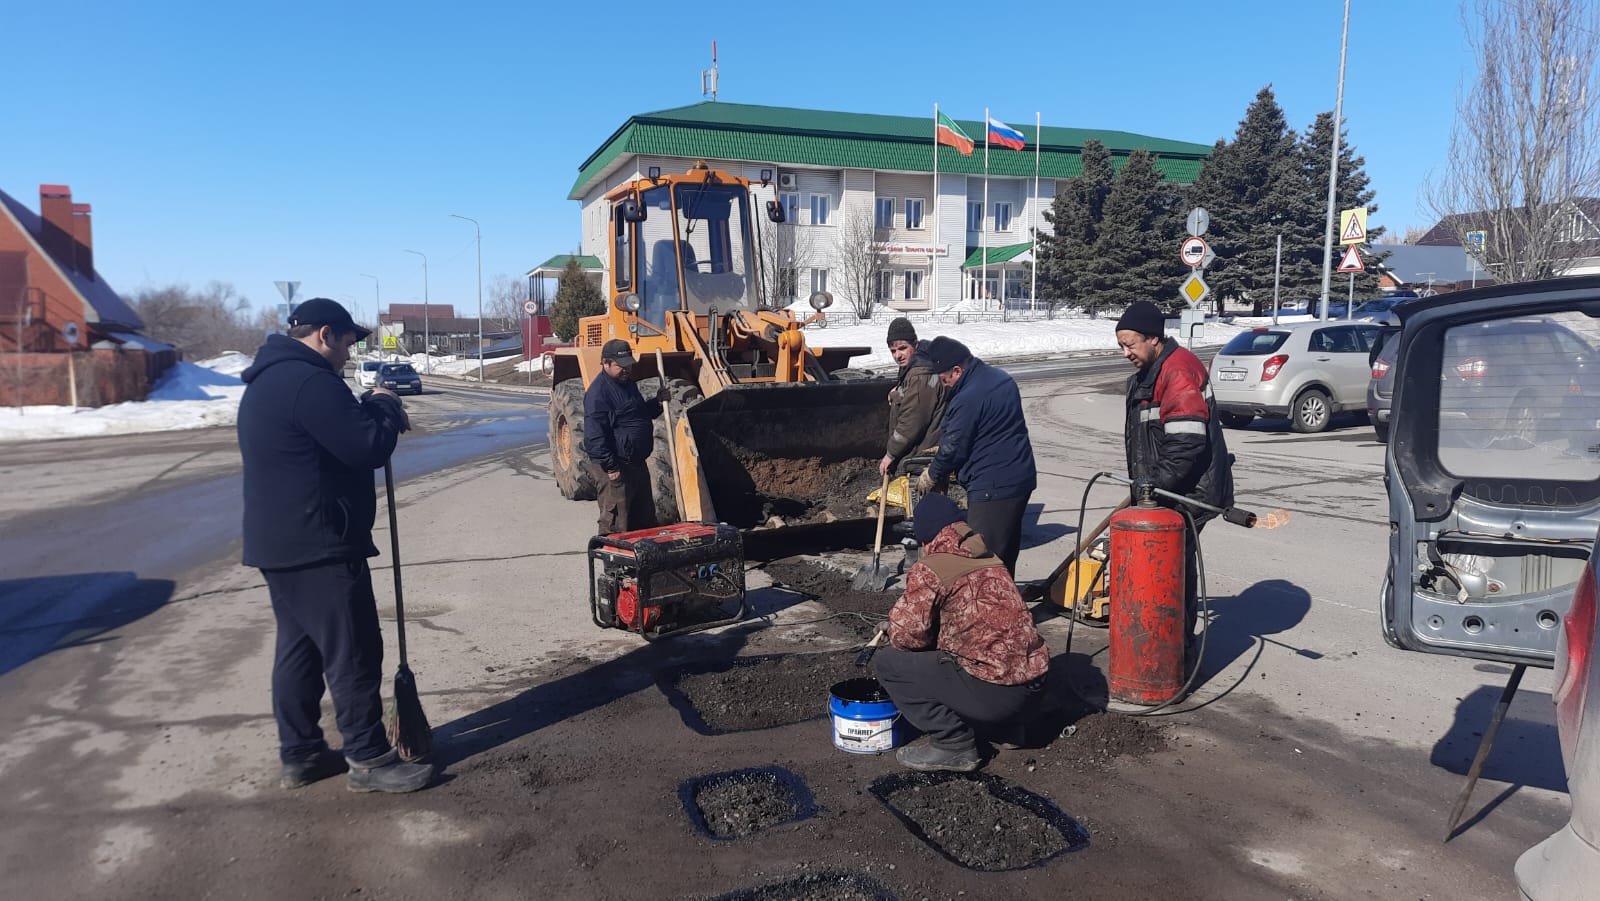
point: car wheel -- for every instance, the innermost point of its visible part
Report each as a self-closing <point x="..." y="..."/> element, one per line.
<point x="1311" y="412"/>
<point x="1381" y="430"/>
<point x="1522" y="420"/>
<point x="1234" y="420"/>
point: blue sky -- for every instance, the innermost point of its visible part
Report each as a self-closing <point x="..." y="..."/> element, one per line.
<point x="247" y="143"/>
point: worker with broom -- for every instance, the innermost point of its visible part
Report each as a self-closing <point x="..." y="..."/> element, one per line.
<point x="963" y="653"/>
<point x="310" y="449"/>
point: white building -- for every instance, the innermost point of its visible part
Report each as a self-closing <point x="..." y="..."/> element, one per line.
<point x="836" y="170"/>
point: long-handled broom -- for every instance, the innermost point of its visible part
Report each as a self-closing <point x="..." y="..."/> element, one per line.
<point x="409" y="731"/>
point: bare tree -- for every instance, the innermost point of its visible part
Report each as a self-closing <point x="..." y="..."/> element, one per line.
<point x="200" y="323"/>
<point x="859" y="260"/>
<point x="1411" y="235"/>
<point x="503" y="302"/>
<point x="785" y="252"/>
<point x="1523" y="150"/>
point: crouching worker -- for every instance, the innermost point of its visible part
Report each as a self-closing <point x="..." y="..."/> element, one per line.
<point x="963" y="653"/>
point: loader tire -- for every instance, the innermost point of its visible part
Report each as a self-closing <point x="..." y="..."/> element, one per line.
<point x="662" y="490"/>
<point x="568" y="462"/>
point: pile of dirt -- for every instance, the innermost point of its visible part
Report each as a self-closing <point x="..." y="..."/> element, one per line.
<point x="814" y="887"/>
<point x="982" y="823"/>
<point x="734" y="805"/>
<point x="832" y="588"/>
<point x="759" y="692"/>
<point x="1097" y="741"/>
<point x="799" y="490"/>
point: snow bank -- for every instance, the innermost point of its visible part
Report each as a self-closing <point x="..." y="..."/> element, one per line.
<point x="188" y="396"/>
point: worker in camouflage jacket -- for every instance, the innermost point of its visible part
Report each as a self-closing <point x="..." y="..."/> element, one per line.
<point x="963" y="653"/>
<point x="916" y="402"/>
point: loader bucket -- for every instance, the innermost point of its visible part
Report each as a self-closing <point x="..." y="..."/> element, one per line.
<point x="785" y="455"/>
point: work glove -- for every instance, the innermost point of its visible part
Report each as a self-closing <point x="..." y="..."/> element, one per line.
<point x="663" y="394"/>
<point x="390" y="408"/>
<point x="926" y="484"/>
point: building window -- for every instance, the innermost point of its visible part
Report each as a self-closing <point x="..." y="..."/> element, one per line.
<point x="885" y="286"/>
<point x="914" y="212"/>
<point x="791" y="208"/>
<point x="1002" y="217"/>
<point x="819" y="209"/>
<point x="974" y="216"/>
<point x="819" y="280"/>
<point x="913" y="284"/>
<point x="885" y="212"/>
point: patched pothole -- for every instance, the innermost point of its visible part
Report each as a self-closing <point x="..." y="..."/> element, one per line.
<point x="757" y="692"/>
<point x="743" y="802"/>
<point x="830" y="886"/>
<point x="981" y="821"/>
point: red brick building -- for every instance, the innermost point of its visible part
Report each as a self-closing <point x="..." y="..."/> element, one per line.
<point x="66" y="337"/>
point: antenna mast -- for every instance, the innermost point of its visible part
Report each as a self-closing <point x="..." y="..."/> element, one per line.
<point x="708" y="77"/>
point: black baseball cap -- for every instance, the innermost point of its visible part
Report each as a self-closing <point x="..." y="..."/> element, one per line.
<point x="619" y="352"/>
<point x="322" y="311"/>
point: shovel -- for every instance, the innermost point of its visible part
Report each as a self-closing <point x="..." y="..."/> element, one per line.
<point x="875" y="576"/>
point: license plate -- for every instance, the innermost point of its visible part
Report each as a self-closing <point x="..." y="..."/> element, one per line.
<point x="1230" y="375"/>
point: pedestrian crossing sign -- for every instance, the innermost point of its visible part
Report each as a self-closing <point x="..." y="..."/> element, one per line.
<point x="389" y="343"/>
<point x="1353" y="226"/>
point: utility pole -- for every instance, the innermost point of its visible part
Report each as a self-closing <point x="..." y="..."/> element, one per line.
<point x="427" y="351"/>
<point x="1333" y="169"/>
<point x="479" y="232"/>
<point x="377" y="303"/>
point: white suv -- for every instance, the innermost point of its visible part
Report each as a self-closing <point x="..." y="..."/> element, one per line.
<point x="1304" y="372"/>
<point x="367" y="373"/>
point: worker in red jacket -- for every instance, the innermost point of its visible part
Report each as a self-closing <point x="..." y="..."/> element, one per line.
<point x="963" y="652"/>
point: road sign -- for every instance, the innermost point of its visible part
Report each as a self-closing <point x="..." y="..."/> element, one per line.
<point x="1199" y="221"/>
<point x="71" y="333"/>
<point x="531" y="307"/>
<point x="1353" y="226"/>
<point x="1351" y="261"/>
<point x="1194" y="289"/>
<point x="1194" y="252"/>
<point x="389" y="343"/>
<point x="361" y="345"/>
<point x="290" y="292"/>
<point x="1476" y="240"/>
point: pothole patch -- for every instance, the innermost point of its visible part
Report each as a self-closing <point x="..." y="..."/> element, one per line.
<point x="980" y="821"/>
<point x="827" y="886"/>
<point x="740" y="803"/>
<point x="759" y="692"/>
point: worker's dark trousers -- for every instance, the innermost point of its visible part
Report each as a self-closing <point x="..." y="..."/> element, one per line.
<point x="327" y="627"/>
<point x="1000" y="524"/>
<point x="936" y="695"/>
<point x="626" y="503"/>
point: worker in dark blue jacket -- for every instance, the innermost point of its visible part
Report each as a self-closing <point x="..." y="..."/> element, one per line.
<point x="618" y="436"/>
<point x="309" y="449"/>
<point x="984" y="443"/>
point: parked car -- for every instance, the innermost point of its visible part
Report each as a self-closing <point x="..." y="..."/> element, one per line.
<point x="1380" y="387"/>
<point x="1566" y="866"/>
<point x="398" y="377"/>
<point x="1297" y="306"/>
<point x="1377" y="308"/>
<point x="367" y="373"/>
<point x="1305" y="372"/>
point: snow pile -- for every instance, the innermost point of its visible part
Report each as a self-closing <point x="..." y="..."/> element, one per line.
<point x="229" y="363"/>
<point x="196" y="381"/>
<point x="188" y="396"/>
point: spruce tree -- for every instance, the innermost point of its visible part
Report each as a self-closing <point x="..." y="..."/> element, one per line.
<point x="576" y="298"/>
<point x="1135" y="253"/>
<point x="1352" y="190"/>
<point x="1074" y="217"/>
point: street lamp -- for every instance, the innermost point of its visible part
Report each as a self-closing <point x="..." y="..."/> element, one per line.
<point x="479" y="231"/>
<point x="427" y="351"/>
<point x="1333" y="170"/>
<point x="377" y="297"/>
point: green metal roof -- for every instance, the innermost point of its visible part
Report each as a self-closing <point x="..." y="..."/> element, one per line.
<point x="996" y="254"/>
<point x="771" y="134"/>
<point x="586" y="262"/>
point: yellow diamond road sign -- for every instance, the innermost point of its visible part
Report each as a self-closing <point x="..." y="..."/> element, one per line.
<point x="1194" y="289"/>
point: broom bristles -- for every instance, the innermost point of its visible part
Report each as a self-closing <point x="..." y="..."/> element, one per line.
<point x="409" y="731"/>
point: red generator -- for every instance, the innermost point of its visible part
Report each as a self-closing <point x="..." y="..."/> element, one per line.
<point x="667" y="580"/>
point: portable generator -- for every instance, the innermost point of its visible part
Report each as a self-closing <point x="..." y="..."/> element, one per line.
<point x="667" y="580"/>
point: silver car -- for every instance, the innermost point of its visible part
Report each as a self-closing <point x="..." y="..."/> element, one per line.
<point x="1304" y="372"/>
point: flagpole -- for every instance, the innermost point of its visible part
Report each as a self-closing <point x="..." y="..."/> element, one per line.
<point x="1038" y="142"/>
<point x="983" y="220"/>
<point x="933" y="303"/>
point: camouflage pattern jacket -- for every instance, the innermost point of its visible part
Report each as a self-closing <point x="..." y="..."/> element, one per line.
<point x="960" y="599"/>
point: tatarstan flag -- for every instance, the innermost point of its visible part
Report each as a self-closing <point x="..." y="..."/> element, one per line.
<point x="947" y="132"/>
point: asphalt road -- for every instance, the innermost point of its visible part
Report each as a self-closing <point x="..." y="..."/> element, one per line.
<point x="1312" y="762"/>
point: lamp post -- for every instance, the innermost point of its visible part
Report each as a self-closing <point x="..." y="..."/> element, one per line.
<point x="427" y="351"/>
<point x="479" y="232"/>
<point x="1333" y="170"/>
<point x="377" y="300"/>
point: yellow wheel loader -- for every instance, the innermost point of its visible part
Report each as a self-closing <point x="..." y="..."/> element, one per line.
<point x="763" y="431"/>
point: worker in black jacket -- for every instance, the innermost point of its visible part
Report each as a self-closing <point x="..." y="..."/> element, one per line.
<point x="618" y="436"/>
<point x="309" y="449"/>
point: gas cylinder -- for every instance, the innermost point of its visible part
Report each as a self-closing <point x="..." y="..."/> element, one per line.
<point x="1147" y="615"/>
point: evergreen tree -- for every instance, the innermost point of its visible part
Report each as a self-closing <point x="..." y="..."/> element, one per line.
<point x="576" y="298"/>
<point x="1245" y="185"/>
<point x="1074" y="217"/>
<point x="1135" y="253"/>
<point x="1303" y="269"/>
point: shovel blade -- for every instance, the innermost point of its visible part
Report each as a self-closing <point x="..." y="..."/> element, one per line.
<point x="873" y="577"/>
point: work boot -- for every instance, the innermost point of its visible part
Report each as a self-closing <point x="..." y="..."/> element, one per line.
<point x="926" y="758"/>
<point x="319" y="766"/>
<point x="389" y="774"/>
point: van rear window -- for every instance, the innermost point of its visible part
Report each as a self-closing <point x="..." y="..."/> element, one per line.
<point x="1256" y="342"/>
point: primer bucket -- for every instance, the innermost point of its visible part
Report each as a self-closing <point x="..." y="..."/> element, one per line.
<point x="865" y="721"/>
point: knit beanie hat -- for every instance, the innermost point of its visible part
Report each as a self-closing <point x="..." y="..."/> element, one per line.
<point x="947" y="353"/>
<point x="933" y="513"/>
<point x="1145" y="318"/>
<point x="901" y="329"/>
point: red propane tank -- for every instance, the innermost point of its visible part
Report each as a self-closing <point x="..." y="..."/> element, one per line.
<point x="1147" y="620"/>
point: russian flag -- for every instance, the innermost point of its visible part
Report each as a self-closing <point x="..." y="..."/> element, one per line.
<point x="1004" y="135"/>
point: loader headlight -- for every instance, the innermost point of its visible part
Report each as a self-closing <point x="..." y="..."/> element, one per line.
<point x="821" y="300"/>
<point x="628" y="302"/>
